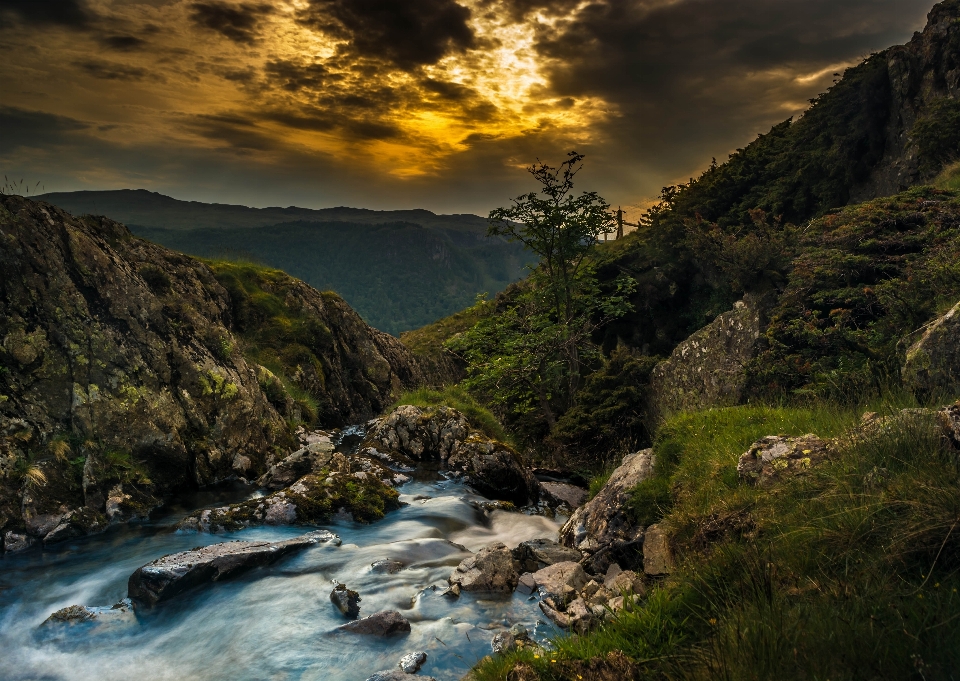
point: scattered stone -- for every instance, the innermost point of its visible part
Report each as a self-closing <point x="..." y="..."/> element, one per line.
<point x="949" y="418"/>
<point x="628" y="582"/>
<point x="383" y="623"/>
<point x="564" y="493"/>
<point x="170" y="575"/>
<point x="347" y="601"/>
<point x="776" y="457"/>
<point x="490" y="569"/>
<point x="604" y="522"/>
<point x="527" y="584"/>
<point x="411" y="662"/>
<point x="578" y="616"/>
<point x="13" y="542"/>
<point x="398" y="675"/>
<point x="657" y="555"/>
<point x="537" y="554"/>
<point x="933" y="362"/>
<point x="310" y="459"/>
<point x="519" y="632"/>
<point x="119" y="613"/>
<point x="452" y="592"/>
<point x="561" y="581"/>
<point x="386" y="567"/>
<point x="503" y="642"/>
<point x="126" y="503"/>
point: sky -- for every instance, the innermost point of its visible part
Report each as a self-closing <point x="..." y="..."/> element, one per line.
<point x="390" y="104"/>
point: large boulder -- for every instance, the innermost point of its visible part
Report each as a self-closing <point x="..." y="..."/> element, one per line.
<point x="492" y="568"/>
<point x="657" y="553"/>
<point x="708" y="369"/>
<point x="603" y="525"/>
<point x="494" y="470"/>
<point x="170" y="575"/>
<point x="933" y="362"/>
<point x="310" y="459"/>
<point x="420" y="434"/>
<point x="384" y="623"/>
<point x="561" y="582"/>
<point x="776" y="457"/>
<point x="312" y="499"/>
<point x="537" y="554"/>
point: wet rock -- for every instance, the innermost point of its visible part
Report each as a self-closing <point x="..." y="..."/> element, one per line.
<point x="386" y="567"/>
<point x="310" y="459"/>
<point x="657" y="554"/>
<point x="398" y="675"/>
<point x="776" y="457"/>
<point x="707" y="369"/>
<point x="411" y="662"/>
<point x="537" y="554"/>
<point x="578" y="616"/>
<point x="490" y="569"/>
<point x="120" y="613"/>
<point x="519" y="632"/>
<point x="14" y="542"/>
<point x="933" y="362"/>
<point x="125" y="503"/>
<point x="346" y="601"/>
<point x="78" y="523"/>
<point x="383" y="623"/>
<point x="503" y="642"/>
<point x="561" y="581"/>
<point x="494" y="470"/>
<point x="166" y="577"/>
<point x="603" y="523"/>
<point x="311" y="500"/>
<point x="562" y="493"/>
<point x="527" y="584"/>
<point x="452" y="592"/>
<point x="420" y="434"/>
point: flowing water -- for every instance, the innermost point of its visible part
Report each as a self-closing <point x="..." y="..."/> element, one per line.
<point x="275" y="623"/>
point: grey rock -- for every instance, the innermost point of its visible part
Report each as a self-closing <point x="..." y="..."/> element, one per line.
<point x="383" y="623"/>
<point x="561" y="581"/>
<point x="121" y="613"/>
<point x="536" y="554"/>
<point x="398" y="675"/>
<point x="490" y="569"/>
<point x="503" y="642"/>
<point x="657" y="554"/>
<point x="519" y="632"/>
<point x="386" y="567"/>
<point x="604" y="520"/>
<point x="578" y="616"/>
<point x="310" y="459"/>
<point x="776" y="457"/>
<point x="527" y="584"/>
<point x="949" y="418"/>
<point x="628" y="581"/>
<point x="411" y="662"/>
<point x="346" y="601"/>
<point x="14" y="542"/>
<point x="707" y="369"/>
<point x="564" y="493"/>
<point x="170" y="575"/>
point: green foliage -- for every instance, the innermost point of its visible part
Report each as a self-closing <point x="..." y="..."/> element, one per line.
<point x="428" y="341"/>
<point x="865" y="278"/>
<point x="397" y="276"/>
<point x="937" y="135"/>
<point x="608" y="419"/>
<point x="850" y="572"/>
<point x="458" y="398"/>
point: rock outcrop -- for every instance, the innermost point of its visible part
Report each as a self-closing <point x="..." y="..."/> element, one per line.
<point x="491" y="569"/>
<point x="708" y="369"/>
<point x="346" y="601"/>
<point x="124" y="358"/>
<point x="537" y="554"/>
<point x="443" y="434"/>
<point x="171" y="575"/>
<point x="933" y="362"/>
<point x="776" y="457"/>
<point x="602" y="528"/>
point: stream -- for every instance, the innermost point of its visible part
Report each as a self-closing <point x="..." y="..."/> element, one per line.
<point x="275" y="623"/>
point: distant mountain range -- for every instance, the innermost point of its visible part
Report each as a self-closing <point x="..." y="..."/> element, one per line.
<point x="399" y="269"/>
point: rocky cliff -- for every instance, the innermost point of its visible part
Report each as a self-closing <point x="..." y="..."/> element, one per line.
<point x="128" y="371"/>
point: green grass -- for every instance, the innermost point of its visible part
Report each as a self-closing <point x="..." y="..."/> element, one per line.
<point x="479" y="417"/>
<point x="428" y="341"/>
<point x="849" y="572"/>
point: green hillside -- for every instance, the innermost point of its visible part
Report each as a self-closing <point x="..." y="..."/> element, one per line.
<point x="399" y="269"/>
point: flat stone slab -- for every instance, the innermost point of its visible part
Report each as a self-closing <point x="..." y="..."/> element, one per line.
<point x="379" y="624"/>
<point x="571" y="495"/>
<point x="397" y="675"/>
<point x="170" y="575"/>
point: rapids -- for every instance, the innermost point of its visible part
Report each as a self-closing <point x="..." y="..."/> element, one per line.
<point x="275" y="623"/>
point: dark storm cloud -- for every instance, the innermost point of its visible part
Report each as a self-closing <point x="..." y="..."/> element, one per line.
<point x="240" y="23"/>
<point x="24" y="128"/>
<point x="105" y="70"/>
<point x="407" y="33"/>
<point x="69" y="13"/>
<point x="295" y="76"/>
<point x="123" y="43"/>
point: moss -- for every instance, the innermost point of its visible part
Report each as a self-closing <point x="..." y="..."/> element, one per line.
<point x="457" y="398"/>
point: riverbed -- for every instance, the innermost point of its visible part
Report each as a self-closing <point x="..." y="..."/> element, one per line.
<point x="275" y="623"/>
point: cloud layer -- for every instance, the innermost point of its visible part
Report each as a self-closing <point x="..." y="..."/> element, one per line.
<point x="402" y="103"/>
